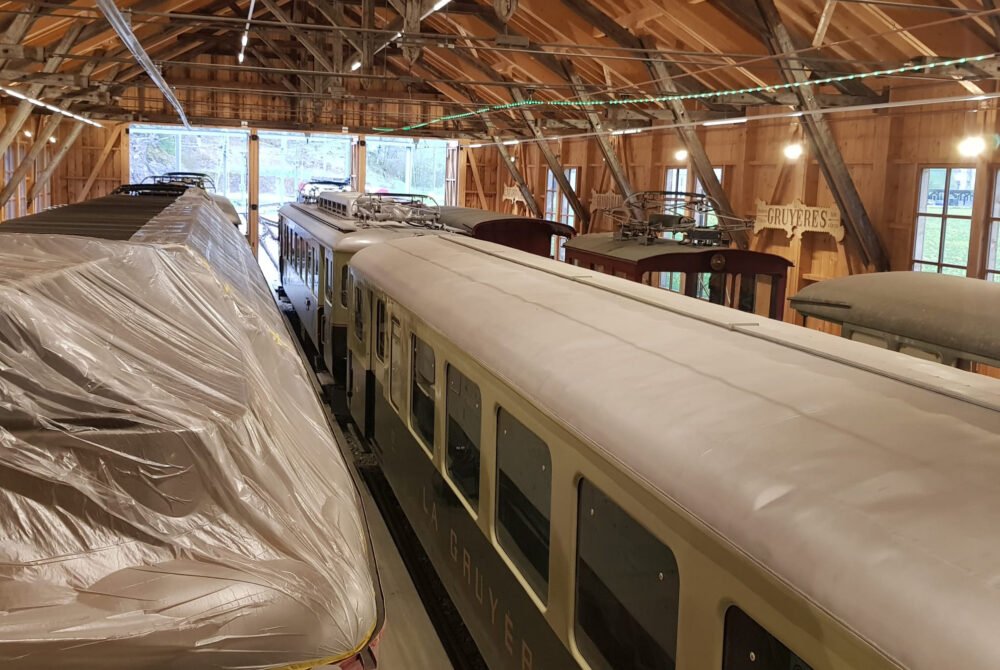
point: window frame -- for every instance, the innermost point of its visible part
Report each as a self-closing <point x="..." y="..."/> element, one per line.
<point x="588" y="490"/>
<point x="916" y="264"/>
<point x="516" y="557"/>
<point x="381" y="314"/>
<point x="427" y="445"/>
<point x="472" y="505"/>
<point x="992" y="265"/>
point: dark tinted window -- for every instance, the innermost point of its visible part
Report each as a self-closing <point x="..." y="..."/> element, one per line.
<point x="396" y="382"/>
<point x="462" y="448"/>
<point x="626" y="589"/>
<point x="422" y="391"/>
<point x="343" y="285"/>
<point x="359" y="314"/>
<point x="524" y="489"/>
<point x="748" y="646"/>
<point x="380" y="329"/>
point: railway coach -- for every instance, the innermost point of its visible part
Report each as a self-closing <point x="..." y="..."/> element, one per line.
<point x="171" y="494"/>
<point x="317" y="239"/>
<point x="607" y="475"/>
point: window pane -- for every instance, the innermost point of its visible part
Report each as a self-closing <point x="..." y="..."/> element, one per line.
<point x="927" y="240"/>
<point x="422" y="392"/>
<point x="343" y="285"/>
<point x="626" y="590"/>
<point x="524" y="486"/>
<point x="993" y="257"/>
<point x="956" y="241"/>
<point x="748" y="646"/>
<point x="958" y="272"/>
<point x="961" y="185"/>
<point x="380" y="329"/>
<point x="464" y="419"/>
<point x="395" y="364"/>
<point x="359" y="314"/>
<point x="931" y="198"/>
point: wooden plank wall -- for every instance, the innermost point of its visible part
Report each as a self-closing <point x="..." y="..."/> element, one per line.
<point x="70" y="176"/>
<point x="884" y="151"/>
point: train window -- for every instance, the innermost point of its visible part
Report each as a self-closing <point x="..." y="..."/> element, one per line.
<point x="422" y="391"/>
<point x="748" y="646"/>
<point x="329" y="278"/>
<point x="626" y="588"/>
<point x="524" y="488"/>
<point x="380" y="329"/>
<point x="395" y="364"/>
<point x="343" y="285"/>
<point x="309" y="267"/>
<point x="464" y="407"/>
<point x="359" y="314"/>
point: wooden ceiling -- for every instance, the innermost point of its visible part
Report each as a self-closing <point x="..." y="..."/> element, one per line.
<point x="298" y="72"/>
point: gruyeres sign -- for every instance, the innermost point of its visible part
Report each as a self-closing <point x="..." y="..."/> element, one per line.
<point x="796" y="218"/>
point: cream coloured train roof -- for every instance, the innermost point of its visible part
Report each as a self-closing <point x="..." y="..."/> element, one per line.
<point x="865" y="479"/>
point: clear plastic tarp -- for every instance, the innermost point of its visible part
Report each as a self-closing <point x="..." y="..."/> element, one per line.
<point x="170" y="493"/>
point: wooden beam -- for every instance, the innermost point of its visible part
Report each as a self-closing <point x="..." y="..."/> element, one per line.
<point x="697" y="155"/>
<point x="824" y="22"/>
<point x="300" y="35"/>
<point x="582" y="215"/>
<point x="994" y="20"/>
<point x="113" y="136"/>
<point x="824" y="146"/>
<point x="21" y="171"/>
<point x="24" y="108"/>
<point x="475" y="176"/>
<point x="42" y="180"/>
<point x="603" y="142"/>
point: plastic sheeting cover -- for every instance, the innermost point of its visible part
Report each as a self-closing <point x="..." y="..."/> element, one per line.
<point x="170" y="494"/>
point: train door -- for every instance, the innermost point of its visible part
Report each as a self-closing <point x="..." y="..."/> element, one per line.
<point x="361" y="383"/>
<point x="326" y="350"/>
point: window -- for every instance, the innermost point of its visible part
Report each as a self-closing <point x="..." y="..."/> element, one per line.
<point x="359" y="314"/>
<point x="380" y="329"/>
<point x="395" y="364"/>
<point x="557" y="208"/>
<point x="524" y="488"/>
<point x="329" y="279"/>
<point x="408" y="165"/>
<point x="677" y="180"/>
<point x="464" y="407"/>
<point x="343" y="285"/>
<point x="944" y="220"/>
<point x="993" y="259"/>
<point x="627" y="589"/>
<point x="422" y="391"/>
<point x="748" y="646"/>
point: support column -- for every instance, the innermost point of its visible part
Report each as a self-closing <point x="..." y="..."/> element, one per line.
<point x="361" y="161"/>
<point x="253" y="186"/>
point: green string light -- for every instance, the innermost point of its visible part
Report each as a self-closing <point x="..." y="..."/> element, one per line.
<point x="688" y="96"/>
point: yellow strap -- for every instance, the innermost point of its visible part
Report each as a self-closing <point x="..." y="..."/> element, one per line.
<point x="308" y="665"/>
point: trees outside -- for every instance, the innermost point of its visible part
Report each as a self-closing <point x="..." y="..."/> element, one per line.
<point x="405" y="165"/>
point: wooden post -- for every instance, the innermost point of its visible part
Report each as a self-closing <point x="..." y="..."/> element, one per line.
<point x="253" y="186"/>
<point x="362" y="161"/>
<point x="124" y="156"/>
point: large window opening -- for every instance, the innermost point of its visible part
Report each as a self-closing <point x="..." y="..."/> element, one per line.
<point x="944" y="220"/>
<point x="407" y="165"/>
<point x="289" y="160"/>
<point x="222" y="154"/>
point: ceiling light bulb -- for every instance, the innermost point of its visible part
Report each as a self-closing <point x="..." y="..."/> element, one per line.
<point x="680" y="155"/>
<point x="440" y="4"/>
<point x="356" y="65"/>
<point x="27" y="133"/>
<point x="793" y="150"/>
<point x="52" y="139"/>
<point x="972" y="146"/>
<point x="243" y="40"/>
<point x="240" y="56"/>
